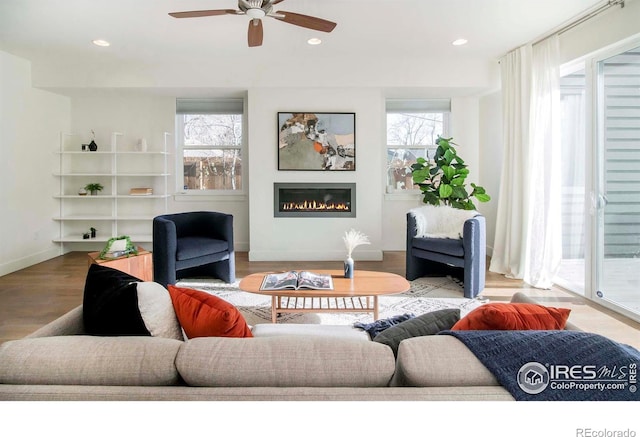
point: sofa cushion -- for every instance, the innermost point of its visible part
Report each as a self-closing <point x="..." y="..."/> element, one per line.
<point x="90" y="360"/>
<point x="195" y="247"/>
<point x="285" y="361"/>
<point x="308" y="329"/>
<point x="447" y="246"/>
<point x="110" y="303"/>
<point x="439" y="361"/>
<point x="157" y="311"/>
<point x="204" y="315"/>
<point x="116" y="303"/>
<point x="519" y="316"/>
<point x="425" y="324"/>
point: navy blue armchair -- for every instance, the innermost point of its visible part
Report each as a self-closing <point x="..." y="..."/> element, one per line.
<point x="463" y="258"/>
<point x="191" y="244"/>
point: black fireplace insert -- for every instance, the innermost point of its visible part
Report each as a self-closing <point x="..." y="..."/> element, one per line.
<point x="314" y="199"/>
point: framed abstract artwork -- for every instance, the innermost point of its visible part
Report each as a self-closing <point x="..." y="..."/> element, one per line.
<point x="317" y="141"/>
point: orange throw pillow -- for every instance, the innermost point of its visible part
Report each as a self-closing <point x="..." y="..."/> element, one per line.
<point x="513" y="316"/>
<point x="205" y="315"/>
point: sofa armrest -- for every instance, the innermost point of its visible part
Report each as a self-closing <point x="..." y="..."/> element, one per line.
<point x="70" y="323"/>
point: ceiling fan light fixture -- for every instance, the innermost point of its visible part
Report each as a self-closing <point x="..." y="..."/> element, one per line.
<point x="254" y="13"/>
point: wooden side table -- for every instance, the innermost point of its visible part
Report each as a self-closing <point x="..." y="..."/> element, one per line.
<point x="140" y="265"/>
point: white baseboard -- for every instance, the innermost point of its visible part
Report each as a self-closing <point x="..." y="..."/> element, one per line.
<point x="27" y="261"/>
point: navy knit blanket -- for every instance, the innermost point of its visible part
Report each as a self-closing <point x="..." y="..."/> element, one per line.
<point x="557" y="365"/>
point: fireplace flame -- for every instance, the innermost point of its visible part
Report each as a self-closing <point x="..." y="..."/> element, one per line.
<point x="314" y="205"/>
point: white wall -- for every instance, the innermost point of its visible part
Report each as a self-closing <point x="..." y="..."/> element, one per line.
<point x="30" y="124"/>
<point x="612" y="26"/>
<point x="491" y="156"/>
<point x="313" y="238"/>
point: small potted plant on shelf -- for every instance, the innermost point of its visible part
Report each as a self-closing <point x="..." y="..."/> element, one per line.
<point x="93" y="188"/>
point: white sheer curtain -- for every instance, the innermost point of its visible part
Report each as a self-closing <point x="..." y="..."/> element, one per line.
<point x="544" y="245"/>
<point x="511" y="223"/>
<point x="528" y="228"/>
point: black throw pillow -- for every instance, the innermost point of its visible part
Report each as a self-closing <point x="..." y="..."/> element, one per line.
<point x="110" y="303"/>
<point x="425" y="324"/>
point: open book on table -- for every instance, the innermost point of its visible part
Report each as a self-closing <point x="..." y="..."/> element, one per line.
<point x="297" y="280"/>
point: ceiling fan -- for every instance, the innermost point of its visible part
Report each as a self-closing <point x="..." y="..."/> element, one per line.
<point x="257" y="10"/>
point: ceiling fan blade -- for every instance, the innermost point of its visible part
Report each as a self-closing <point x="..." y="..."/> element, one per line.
<point x="255" y="32"/>
<point x="306" y="21"/>
<point x="192" y="14"/>
<point x="275" y="2"/>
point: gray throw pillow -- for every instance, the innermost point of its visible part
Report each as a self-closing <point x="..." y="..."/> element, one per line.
<point x="426" y="324"/>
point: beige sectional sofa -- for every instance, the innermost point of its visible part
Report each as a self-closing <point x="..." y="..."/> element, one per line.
<point x="281" y="362"/>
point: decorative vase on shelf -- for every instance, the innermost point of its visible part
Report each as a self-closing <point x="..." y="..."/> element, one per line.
<point x="348" y="268"/>
<point x="93" y="146"/>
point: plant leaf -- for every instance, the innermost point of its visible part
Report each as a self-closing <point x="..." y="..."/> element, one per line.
<point x="445" y="191"/>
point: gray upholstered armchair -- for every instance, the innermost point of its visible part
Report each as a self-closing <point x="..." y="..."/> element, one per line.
<point x="193" y="244"/>
<point x="463" y="258"/>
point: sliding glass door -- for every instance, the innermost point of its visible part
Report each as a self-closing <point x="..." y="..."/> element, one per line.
<point x="617" y="182"/>
<point x="571" y="273"/>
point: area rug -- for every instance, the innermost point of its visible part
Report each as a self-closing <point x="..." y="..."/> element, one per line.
<point x="425" y="295"/>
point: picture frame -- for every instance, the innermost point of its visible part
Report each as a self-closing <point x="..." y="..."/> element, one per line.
<point x="317" y="141"/>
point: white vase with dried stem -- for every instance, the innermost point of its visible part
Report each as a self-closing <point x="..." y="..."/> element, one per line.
<point x="352" y="239"/>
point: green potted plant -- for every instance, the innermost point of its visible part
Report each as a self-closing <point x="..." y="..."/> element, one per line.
<point x="442" y="181"/>
<point x="93" y="188"/>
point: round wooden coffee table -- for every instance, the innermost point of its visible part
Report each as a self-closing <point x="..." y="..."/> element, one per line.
<point x="359" y="294"/>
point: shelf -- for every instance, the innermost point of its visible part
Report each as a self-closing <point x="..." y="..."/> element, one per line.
<point x="84" y="218"/>
<point x="70" y="239"/>
<point x="83" y="152"/>
<point x="140" y="196"/>
<point x="145" y="238"/>
<point x="149" y="152"/>
<point x="135" y="175"/>
<point x="77" y="196"/>
<point x="85" y="174"/>
<point x="115" y="214"/>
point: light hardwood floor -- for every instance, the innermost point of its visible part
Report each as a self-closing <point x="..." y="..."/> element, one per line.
<point x="32" y="297"/>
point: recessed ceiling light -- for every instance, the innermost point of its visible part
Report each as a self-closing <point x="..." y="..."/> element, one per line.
<point x="314" y="41"/>
<point x="460" y="42"/>
<point x="101" y="42"/>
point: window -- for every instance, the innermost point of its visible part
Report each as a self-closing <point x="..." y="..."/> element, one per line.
<point x="210" y="141"/>
<point x="413" y="126"/>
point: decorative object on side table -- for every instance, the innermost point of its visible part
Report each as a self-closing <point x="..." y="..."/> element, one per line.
<point x="93" y="188"/>
<point x="93" y="232"/>
<point x="117" y="247"/>
<point x="352" y="239"/>
<point x="92" y="145"/>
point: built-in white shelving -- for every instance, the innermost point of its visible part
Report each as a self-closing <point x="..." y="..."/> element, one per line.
<point x="113" y="211"/>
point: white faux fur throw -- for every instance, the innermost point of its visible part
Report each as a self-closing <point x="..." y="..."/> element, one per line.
<point x="441" y="221"/>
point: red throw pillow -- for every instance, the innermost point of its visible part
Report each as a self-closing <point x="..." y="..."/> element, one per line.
<point x="205" y="315"/>
<point x="513" y="316"/>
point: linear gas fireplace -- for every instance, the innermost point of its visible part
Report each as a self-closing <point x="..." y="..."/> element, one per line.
<point x="314" y="200"/>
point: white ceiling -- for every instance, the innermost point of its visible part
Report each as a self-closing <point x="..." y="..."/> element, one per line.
<point x="59" y="32"/>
